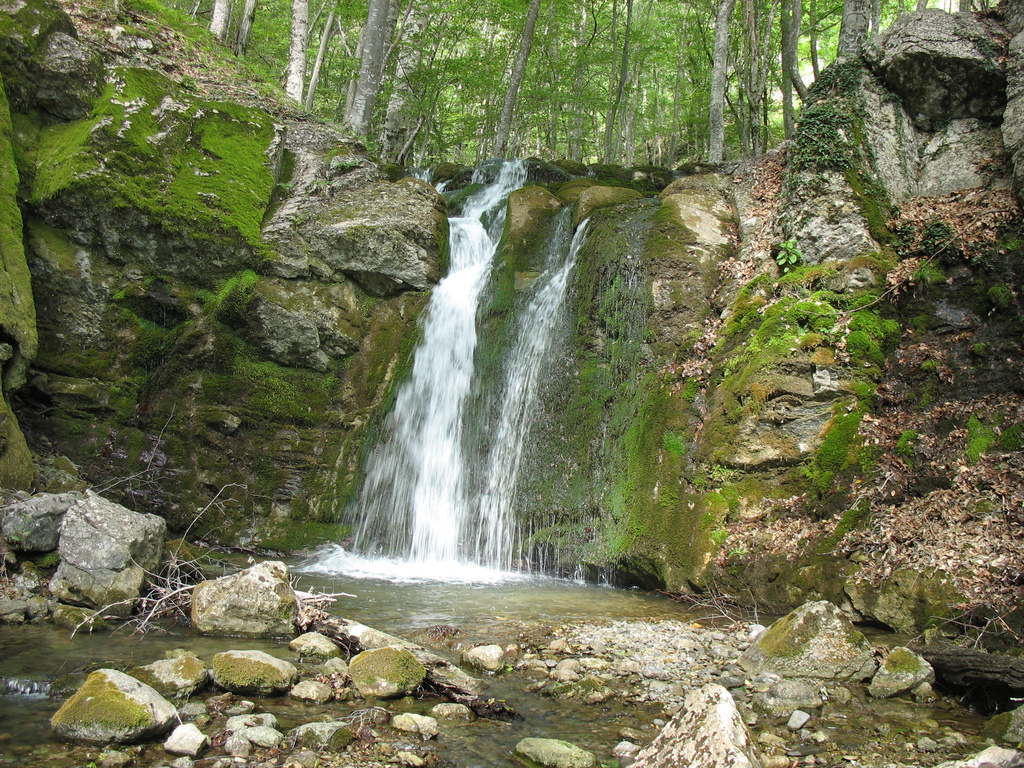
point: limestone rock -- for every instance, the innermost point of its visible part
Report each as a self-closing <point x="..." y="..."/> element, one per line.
<point x="113" y="707"/>
<point x="592" y="198"/>
<point x="824" y="217"/>
<point x="553" y="753"/>
<point x="250" y="720"/>
<point x="386" y="673"/>
<point x="261" y="735"/>
<point x="955" y="158"/>
<point x="178" y="678"/>
<point x="451" y="711"/>
<point x="814" y="641"/>
<point x="425" y="726"/>
<point x="106" y="553"/>
<point x="33" y="525"/>
<point x="335" y="666"/>
<point x="312" y="691"/>
<point x="490" y="658"/>
<point x="257" y="601"/>
<point x="939" y="65"/>
<point x="315" y="645"/>
<point x="783" y="696"/>
<point x="1013" y="115"/>
<point x="253" y="673"/>
<point x="993" y="757"/>
<point x="334" y="735"/>
<point x="187" y="740"/>
<point x="901" y="672"/>
<point x="1007" y="727"/>
<point x="527" y="223"/>
<point x="706" y="733"/>
<point x="907" y="600"/>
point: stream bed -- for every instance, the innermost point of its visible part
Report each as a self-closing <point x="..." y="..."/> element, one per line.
<point x="671" y="648"/>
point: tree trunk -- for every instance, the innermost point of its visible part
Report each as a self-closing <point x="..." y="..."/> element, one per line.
<point x="716" y="118"/>
<point x="221" y="19"/>
<point x="314" y="77"/>
<point x="922" y="5"/>
<point x="790" y="18"/>
<point x="853" y="32"/>
<point x="611" y="148"/>
<point x="297" y="51"/>
<point x="814" y="39"/>
<point x="373" y="42"/>
<point x="245" y="28"/>
<point x="516" y="79"/>
<point x="400" y="123"/>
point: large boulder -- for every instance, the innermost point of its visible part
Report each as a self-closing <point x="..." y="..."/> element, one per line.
<point x="107" y="553"/>
<point x="255" y="602"/>
<point x="957" y="157"/>
<point x="253" y="673"/>
<point x="114" y="707"/>
<point x="943" y="66"/>
<point x="178" y="677"/>
<point x="592" y="198"/>
<point x="706" y="733"/>
<point x="815" y="641"/>
<point x="901" y="672"/>
<point x="33" y="525"/>
<point x="993" y="757"/>
<point x="386" y="673"/>
<point x="1007" y="727"/>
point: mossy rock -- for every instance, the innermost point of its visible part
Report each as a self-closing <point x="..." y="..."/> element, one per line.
<point x="1007" y="727"/>
<point x="386" y="673"/>
<point x="593" y="198"/>
<point x="253" y="673"/>
<point x="553" y="753"/>
<point x="178" y="678"/>
<point x="527" y="227"/>
<point x="900" y="672"/>
<point x="113" y="707"/>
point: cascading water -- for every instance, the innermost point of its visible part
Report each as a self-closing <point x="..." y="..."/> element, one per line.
<point x="420" y="503"/>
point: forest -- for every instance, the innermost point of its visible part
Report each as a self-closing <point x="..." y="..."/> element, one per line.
<point x="633" y="82"/>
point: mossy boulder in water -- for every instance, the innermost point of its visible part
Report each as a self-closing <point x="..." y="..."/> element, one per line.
<point x="901" y="672"/>
<point x="1007" y="727"/>
<point x="253" y="673"/>
<point x="815" y="641"/>
<point x="553" y="753"/>
<point x="113" y="707"/>
<point x="258" y="601"/>
<point x="386" y="673"/>
<point x="178" y="678"/>
<point x="315" y="645"/>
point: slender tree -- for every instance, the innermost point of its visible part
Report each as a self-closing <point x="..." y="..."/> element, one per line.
<point x="221" y="19"/>
<point x="244" y="32"/>
<point x="373" y="44"/>
<point x="297" y="51"/>
<point x="716" y="118"/>
<point x="516" y="80"/>
<point x="321" y="54"/>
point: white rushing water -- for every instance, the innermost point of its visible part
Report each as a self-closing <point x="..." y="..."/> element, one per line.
<point x="423" y="513"/>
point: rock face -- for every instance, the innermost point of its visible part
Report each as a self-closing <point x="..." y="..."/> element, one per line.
<point x="257" y="601"/>
<point x="33" y="525"/>
<point x="707" y="732"/>
<point x="553" y="753"/>
<point x="815" y="641"/>
<point x="113" y="707"/>
<point x="1013" y="117"/>
<point x="901" y="672"/>
<point x="253" y="672"/>
<point x="106" y="553"/>
<point x="386" y="673"/>
<point x="937" y="65"/>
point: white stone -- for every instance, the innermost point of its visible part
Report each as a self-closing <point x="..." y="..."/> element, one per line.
<point x="425" y="726"/>
<point x="187" y="740"/>
<point x="798" y="720"/>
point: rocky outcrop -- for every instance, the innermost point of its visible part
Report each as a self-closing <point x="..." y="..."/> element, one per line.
<point x="113" y="707"/>
<point x="33" y="525"/>
<point x="257" y="601"/>
<point x="107" y="553"/>
<point x="815" y="641"/>
<point x="707" y="732"/>
<point x="254" y="673"/>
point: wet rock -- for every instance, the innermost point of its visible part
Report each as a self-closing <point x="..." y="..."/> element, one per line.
<point x="257" y="601"/>
<point x="386" y="673"/>
<point x="253" y="672"/>
<point x="333" y="735"/>
<point x="112" y="758"/>
<point x="107" y="552"/>
<point x="784" y="696"/>
<point x="553" y="753"/>
<point x="815" y="641"/>
<point x="237" y="746"/>
<point x="453" y="712"/>
<point x="33" y="525"/>
<point x="113" y="707"/>
<point x="592" y="198"/>
<point x="187" y="740"/>
<point x="798" y="720"/>
<point x="993" y="757"/>
<point x="315" y="645"/>
<point x="312" y="691"/>
<point x="489" y="658"/>
<point x="250" y="720"/>
<point x="901" y="672"/>
<point x="261" y="736"/>
<point x="425" y="726"/>
<point x="1007" y="727"/>
<point x="178" y="677"/>
<point x="13" y="611"/>
<point x="625" y="752"/>
<point x="707" y="732"/>
<point x="335" y="666"/>
<point x="943" y="66"/>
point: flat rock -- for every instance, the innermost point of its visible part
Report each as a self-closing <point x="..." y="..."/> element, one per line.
<point x="553" y="753"/>
<point x="253" y="673"/>
<point x="312" y="691"/>
<point x="178" y="678"/>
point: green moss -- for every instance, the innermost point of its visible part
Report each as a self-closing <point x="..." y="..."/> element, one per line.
<point x="834" y="454"/>
<point x="1012" y="438"/>
<point x="101" y="703"/>
<point x="980" y="439"/>
<point x="900" y="661"/>
<point x="906" y="446"/>
<point x="1001" y="296"/>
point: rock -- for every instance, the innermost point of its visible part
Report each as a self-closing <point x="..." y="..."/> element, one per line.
<point x="625" y="752"/>
<point x="107" y="552"/>
<point x="901" y="672"/>
<point x="706" y="733"/>
<point x="490" y="658"/>
<point x="993" y="757"/>
<point x="250" y="720"/>
<point x="13" y="611"/>
<point x="261" y="735"/>
<point x="798" y="720"/>
<point x="187" y="740"/>
<point x="335" y="666"/>
<point x="253" y="672"/>
<point x="592" y="198"/>
<point x="1007" y="727"/>
<point x="943" y="66"/>
<point x="957" y="157"/>
<point x="814" y="641"/>
<point x="316" y="646"/>
<point x="426" y="727"/>
<point x="908" y="599"/>
<point x="80" y="619"/>
<point x="386" y="673"/>
<point x="113" y="707"/>
<point x="411" y="759"/>
<point x="784" y="696"/>
<point x="553" y="753"/>
<point x="237" y="746"/>
<point x="528" y="222"/>
<point x="927" y="744"/>
<point x="33" y="525"/>
<point x="1013" y="115"/>
<point x="183" y="762"/>
<point x="178" y="678"/>
<point x="453" y="712"/>
<point x="257" y="601"/>
<point x="312" y="691"/>
<point x="112" y="758"/>
<point x="335" y="735"/>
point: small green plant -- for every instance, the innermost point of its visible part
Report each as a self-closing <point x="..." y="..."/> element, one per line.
<point x="788" y="255"/>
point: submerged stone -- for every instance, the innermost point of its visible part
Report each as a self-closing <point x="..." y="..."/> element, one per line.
<point x="553" y="753"/>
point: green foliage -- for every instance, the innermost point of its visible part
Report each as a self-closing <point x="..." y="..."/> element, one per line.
<point x="1001" y="296"/>
<point x="788" y="255"/>
<point x="1012" y="438"/>
<point x="980" y="439"/>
